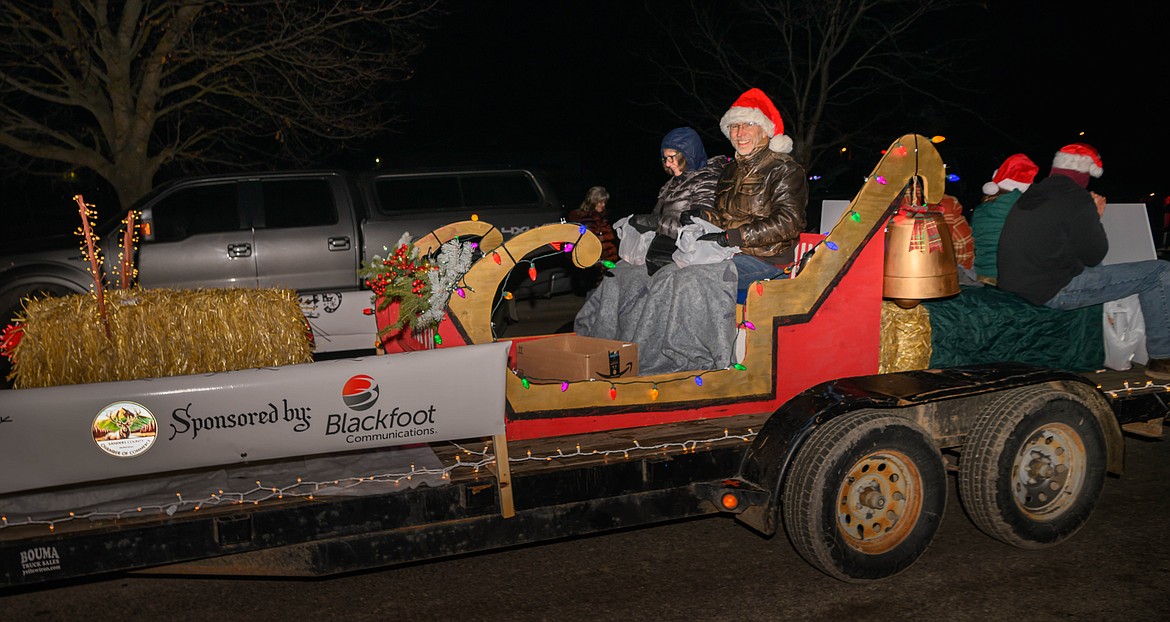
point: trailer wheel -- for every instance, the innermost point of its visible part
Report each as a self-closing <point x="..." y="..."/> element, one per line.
<point x="864" y="496"/>
<point x="1033" y="467"/>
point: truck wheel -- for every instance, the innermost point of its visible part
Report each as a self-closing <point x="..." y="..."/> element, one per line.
<point x="11" y="300"/>
<point x="1033" y="467"/>
<point x="864" y="496"/>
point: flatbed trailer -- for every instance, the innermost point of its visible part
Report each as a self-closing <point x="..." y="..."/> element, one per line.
<point x="803" y="436"/>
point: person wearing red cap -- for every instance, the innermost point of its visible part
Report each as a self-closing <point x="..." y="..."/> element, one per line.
<point x="762" y="194"/>
<point x="1008" y="183"/>
<point x="1052" y="245"/>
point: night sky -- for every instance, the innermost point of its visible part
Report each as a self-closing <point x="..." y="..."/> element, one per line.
<point x="560" y="84"/>
<point x="564" y="86"/>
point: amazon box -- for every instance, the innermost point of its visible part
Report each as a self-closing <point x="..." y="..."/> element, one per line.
<point x="573" y="357"/>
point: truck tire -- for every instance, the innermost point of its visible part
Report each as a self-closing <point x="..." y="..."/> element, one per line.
<point x="864" y="496"/>
<point x="12" y="300"/>
<point x="1033" y="467"/>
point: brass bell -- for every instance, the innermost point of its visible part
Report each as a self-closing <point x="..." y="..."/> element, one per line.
<point x="920" y="258"/>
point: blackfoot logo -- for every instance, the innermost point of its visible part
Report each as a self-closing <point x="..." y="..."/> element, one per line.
<point x="360" y="392"/>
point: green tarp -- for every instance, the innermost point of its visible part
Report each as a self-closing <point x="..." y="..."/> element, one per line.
<point x="987" y="325"/>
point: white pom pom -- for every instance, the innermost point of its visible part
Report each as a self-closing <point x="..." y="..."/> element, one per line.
<point x="1095" y="171"/>
<point x="780" y="144"/>
<point x="990" y="188"/>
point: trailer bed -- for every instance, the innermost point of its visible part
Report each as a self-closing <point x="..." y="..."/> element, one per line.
<point x="571" y="485"/>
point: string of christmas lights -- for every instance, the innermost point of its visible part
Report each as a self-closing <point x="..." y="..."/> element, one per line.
<point x="310" y="489"/>
<point x="696" y="377"/>
<point x="1136" y="388"/>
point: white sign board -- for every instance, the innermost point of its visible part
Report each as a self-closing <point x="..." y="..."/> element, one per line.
<point x="831" y="211"/>
<point x="1128" y="229"/>
<point x="97" y="432"/>
<point x="339" y="320"/>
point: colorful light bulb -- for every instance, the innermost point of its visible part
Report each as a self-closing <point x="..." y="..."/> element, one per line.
<point x="654" y="392"/>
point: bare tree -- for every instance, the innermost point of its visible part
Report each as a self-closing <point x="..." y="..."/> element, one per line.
<point x="833" y="67"/>
<point x="126" y="88"/>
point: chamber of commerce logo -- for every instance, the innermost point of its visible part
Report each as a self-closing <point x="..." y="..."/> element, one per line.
<point x="124" y="429"/>
<point x="360" y="392"/>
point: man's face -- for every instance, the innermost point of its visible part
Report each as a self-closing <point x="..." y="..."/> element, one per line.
<point x="746" y="137"/>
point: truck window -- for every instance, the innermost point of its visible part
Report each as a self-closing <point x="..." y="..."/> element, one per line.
<point x="195" y="210"/>
<point x="426" y="193"/>
<point x="298" y="203"/>
<point x="482" y="191"/>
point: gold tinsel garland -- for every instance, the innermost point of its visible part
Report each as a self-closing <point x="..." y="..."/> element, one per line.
<point x="905" y="338"/>
<point x="155" y="333"/>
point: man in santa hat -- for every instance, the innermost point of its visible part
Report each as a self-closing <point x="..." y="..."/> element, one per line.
<point x="1006" y="187"/>
<point x="762" y="193"/>
<point x="1052" y="244"/>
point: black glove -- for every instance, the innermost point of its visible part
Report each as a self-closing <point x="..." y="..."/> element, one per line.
<point x="685" y="218"/>
<point x="719" y="237"/>
<point x="643" y="222"/>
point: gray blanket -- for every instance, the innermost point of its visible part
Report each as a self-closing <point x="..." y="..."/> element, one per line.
<point x="683" y="319"/>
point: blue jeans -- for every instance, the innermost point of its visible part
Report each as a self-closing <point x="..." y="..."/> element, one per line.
<point x="1150" y="280"/>
<point x="751" y="269"/>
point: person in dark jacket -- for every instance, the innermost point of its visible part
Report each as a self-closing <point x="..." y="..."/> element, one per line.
<point x="691" y="187"/>
<point x="1052" y="245"/>
<point x="595" y="217"/>
<point x="1007" y="185"/>
<point x="761" y="196"/>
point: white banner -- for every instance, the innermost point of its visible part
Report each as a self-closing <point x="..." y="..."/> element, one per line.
<point x="97" y="432"/>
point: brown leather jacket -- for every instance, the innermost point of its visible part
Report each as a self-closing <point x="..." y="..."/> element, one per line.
<point x="760" y="201"/>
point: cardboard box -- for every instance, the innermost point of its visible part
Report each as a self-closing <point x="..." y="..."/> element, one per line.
<point x="573" y="357"/>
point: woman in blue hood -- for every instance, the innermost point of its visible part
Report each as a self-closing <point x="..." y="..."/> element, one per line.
<point x="691" y="186"/>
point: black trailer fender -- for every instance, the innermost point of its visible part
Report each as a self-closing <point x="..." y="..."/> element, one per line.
<point x="754" y="494"/>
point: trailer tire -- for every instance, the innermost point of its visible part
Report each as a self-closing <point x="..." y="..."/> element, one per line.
<point x="1033" y="467"/>
<point x="864" y="496"/>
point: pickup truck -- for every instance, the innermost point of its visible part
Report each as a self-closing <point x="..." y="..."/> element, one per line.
<point x="303" y="230"/>
<point x="804" y="434"/>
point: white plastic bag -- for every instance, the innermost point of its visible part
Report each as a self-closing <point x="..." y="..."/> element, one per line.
<point x="1125" y="333"/>
<point x="691" y="251"/>
<point x="632" y="245"/>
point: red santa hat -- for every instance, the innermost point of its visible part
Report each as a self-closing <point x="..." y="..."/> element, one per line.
<point x="1016" y="173"/>
<point x="755" y="107"/>
<point x="1079" y="157"/>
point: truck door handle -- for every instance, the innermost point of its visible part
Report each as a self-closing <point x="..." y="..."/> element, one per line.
<point x="239" y="250"/>
<point x="339" y="244"/>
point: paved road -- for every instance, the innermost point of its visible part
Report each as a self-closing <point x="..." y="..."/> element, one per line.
<point x="1116" y="568"/>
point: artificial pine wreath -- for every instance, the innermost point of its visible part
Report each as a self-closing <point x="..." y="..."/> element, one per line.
<point x="421" y="286"/>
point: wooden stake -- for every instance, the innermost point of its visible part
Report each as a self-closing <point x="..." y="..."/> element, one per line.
<point x="128" y="250"/>
<point x="95" y="268"/>
<point x="503" y="475"/>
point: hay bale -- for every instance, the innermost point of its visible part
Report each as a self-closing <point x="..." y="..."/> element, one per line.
<point x="158" y="332"/>
<point x="905" y="338"/>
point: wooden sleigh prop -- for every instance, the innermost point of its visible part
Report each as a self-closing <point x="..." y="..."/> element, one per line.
<point x="820" y="325"/>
